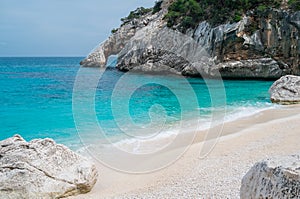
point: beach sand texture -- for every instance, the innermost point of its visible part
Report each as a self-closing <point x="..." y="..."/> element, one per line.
<point x="244" y="142"/>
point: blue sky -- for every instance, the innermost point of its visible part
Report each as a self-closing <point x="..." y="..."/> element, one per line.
<point x="59" y="27"/>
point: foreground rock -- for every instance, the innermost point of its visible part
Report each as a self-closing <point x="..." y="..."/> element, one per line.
<point x="286" y="90"/>
<point x="42" y="169"/>
<point x="273" y="178"/>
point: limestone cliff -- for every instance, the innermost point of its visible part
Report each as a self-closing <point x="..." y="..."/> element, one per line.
<point x="263" y="44"/>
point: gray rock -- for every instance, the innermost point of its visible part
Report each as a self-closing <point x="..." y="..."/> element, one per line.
<point x="118" y="40"/>
<point x="273" y="178"/>
<point x="42" y="169"/>
<point x="256" y="38"/>
<point x="295" y="19"/>
<point x="286" y="90"/>
<point x="111" y="46"/>
<point x="164" y="50"/>
<point x="263" y="68"/>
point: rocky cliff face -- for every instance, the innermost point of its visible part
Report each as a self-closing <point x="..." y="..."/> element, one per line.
<point x="264" y="44"/>
<point x="118" y="40"/>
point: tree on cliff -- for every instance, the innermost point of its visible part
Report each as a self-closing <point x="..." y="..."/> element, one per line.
<point x="185" y="14"/>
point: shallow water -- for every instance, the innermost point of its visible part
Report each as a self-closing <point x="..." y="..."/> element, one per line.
<point x="36" y="101"/>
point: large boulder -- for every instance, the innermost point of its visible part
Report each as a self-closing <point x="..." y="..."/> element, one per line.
<point x="286" y="90"/>
<point x="273" y="178"/>
<point x="42" y="169"/>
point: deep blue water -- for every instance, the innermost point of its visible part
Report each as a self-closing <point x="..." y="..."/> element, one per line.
<point x="36" y="99"/>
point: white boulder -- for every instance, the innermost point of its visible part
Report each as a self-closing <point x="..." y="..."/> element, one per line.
<point x="42" y="169"/>
<point x="273" y="178"/>
<point x="286" y="90"/>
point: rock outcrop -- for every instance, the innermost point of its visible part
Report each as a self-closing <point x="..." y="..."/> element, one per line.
<point x="273" y="178"/>
<point x="119" y="39"/>
<point x="42" y="169"/>
<point x="263" y="68"/>
<point x="164" y="50"/>
<point x="286" y="90"/>
<point x="264" y="44"/>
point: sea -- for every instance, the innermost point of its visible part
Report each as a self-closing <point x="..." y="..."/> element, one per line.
<point x="53" y="97"/>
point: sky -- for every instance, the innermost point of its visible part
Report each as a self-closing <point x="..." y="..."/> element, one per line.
<point x="59" y="27"/>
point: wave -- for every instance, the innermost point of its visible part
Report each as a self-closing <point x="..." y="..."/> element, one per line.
<point x="155" y="143"/>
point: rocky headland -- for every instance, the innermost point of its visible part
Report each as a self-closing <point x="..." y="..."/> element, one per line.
<point x="261" y="42"/>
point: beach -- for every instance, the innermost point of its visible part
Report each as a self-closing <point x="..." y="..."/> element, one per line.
<point x="245" y="141"/>
<point x="150" y="99"/>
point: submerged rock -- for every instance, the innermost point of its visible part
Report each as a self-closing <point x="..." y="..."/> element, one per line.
<point x="273" y="178"/>
<point x="42" y="169"/>
<point x="286" y="90"/>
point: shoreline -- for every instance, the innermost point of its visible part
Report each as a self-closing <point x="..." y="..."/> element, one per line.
<point x="244" y="141"/>
<point x="189" y="125"/>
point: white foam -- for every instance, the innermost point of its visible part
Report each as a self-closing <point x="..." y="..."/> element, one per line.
<point x="247" y="111"/>
<point x="164" y="138"/>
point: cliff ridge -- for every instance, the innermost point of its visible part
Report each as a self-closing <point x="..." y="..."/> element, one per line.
<point x="262" y="42"/>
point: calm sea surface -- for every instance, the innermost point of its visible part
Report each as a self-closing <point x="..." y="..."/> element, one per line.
<point x="36" y="99"/>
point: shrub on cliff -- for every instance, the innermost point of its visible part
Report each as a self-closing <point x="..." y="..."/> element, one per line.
<point x="294" y="5"/>
<point x="114" y="30"/>
<point x="185" y="14"/>
<point x="136" y="14"/>
<point x="157" y="7"/>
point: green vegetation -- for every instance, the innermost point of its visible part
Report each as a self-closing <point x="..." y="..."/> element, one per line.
<point x="262" y="8"/>
<point x="294" y="5"/>
<point x="114" y="30"/>
<point x="136" y="14"/>
<point x="185" y="14"/>
<point x="157" y="7"/>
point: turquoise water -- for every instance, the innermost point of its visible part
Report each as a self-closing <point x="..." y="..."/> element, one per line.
<point x="36" y="99"/>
